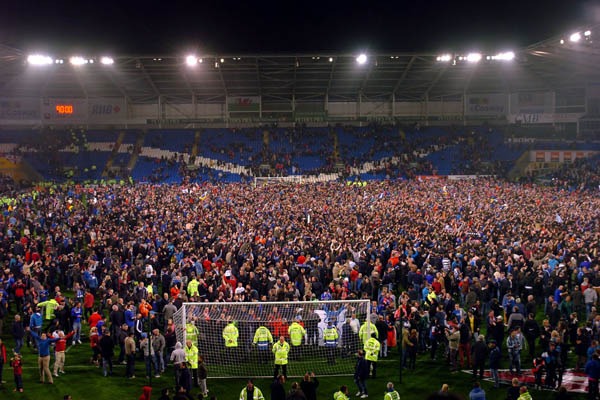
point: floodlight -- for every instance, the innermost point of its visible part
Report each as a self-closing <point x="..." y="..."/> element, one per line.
<point x="444" y="58"/>
<point x="222" y="60"/>
<point x="39" y="59"/>
<point x="200" y="60"/>
<point x="575" y="37"/>
<point x="107" y="61"/>
<point x="562" y="41"/>
<point x="507" y="56"/>
<point x="59" y="61"/>
<point x="77" y="60"/>
<point x="587" y="33"/>
<point x="191" y="60"/>
<point x="473" y="57"/>
<point x="361" y="59"/>
<point x="330" y="59"/>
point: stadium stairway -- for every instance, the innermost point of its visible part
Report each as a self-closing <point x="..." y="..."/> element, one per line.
<point x="136" y="150"/>
<point x="519" y="167"/>
<point x="114" y="153"/>
<point x="19" y="171"/>
<point x="197" y="138"/>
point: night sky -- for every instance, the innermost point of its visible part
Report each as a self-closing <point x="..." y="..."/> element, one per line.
<point x="132" y="27"/>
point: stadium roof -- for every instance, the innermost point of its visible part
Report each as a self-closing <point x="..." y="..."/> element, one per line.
<point x="547" y="65"/>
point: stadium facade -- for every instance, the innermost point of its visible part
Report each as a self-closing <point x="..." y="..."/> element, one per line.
<point x="555" y="83"/>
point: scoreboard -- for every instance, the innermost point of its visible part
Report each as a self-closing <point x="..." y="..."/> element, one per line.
<point x="65" y="110"/>
<point x="80" y="111"/>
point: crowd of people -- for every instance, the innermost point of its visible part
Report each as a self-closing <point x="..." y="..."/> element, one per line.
<point x="457" y="258"/>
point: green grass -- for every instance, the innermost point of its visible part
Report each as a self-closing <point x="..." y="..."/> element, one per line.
<point x="84" y="381"/>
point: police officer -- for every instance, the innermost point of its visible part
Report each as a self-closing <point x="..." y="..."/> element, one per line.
<point x="230" y="335"/>
<point x="281" y="350"/>
<point x="262" y="339"/>
<point x="391" y="393"/>
<point x="372" y="347"/>
<point x="191" y="357"/>
<point x="367" y="330"/>
<point x="330" y="337"/>
<point x="297" y="333"/>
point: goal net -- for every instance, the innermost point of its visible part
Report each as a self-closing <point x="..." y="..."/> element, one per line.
<point x="237" y="339"/>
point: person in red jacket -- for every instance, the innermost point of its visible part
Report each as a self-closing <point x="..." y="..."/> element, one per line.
<point x="17" y="365"/>
<point x="3" y="358"/>
<point x="94" y="318"/>
<point x="146" y="392"/>
<point x="59" y="352"/>
<point x="94" y="339"/>
<point x="88" y="303"/>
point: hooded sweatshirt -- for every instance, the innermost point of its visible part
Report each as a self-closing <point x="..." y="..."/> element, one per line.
<point x="178" y="355"/>
<point x="146" y="392"/>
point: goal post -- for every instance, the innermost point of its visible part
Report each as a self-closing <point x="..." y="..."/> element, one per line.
<point x="236" y="339"/>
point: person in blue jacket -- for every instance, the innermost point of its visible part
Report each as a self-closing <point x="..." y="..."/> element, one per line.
<point x="495" y="357"/>
<point x="361" y="373"/>
<point x="592" y="370"/>
<point x="43" y="344"/>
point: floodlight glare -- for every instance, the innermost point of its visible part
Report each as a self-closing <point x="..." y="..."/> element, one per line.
<point x="76" y="60"/>
<point x="575" y="37"/>
<point x="38" y="59"/>
<point x="107" y="61"/>
<point x="587" y="33"/>
<point x="473" y="57"/>
<point x="191" y="60"/>
<point x="507" y="56"/>
<point x="361" y="59"/>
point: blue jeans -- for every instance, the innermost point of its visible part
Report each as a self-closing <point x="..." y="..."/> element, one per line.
<point x="18" y="345"/>
<point x="77" y="330"/>
<point x="159" y="363"/>
<point x="496" y="377"/>
<point x="362" y="385"/>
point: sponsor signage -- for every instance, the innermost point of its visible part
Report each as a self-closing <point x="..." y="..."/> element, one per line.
<point x="106" y="109"/>
<point x="543" y="118"/>
<point x="486" y="104"/>
<point x="243" y="104"/>
<point x="19" y="109"/>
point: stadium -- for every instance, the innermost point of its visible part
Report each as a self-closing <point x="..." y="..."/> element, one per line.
<point x="330" y="191"/>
